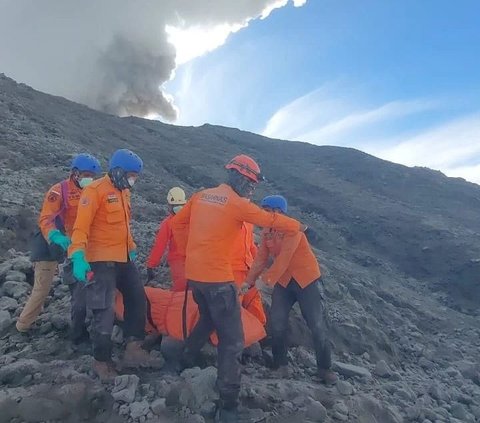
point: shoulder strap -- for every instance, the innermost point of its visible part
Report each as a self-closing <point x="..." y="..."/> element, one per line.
<point x="64" y="186"/>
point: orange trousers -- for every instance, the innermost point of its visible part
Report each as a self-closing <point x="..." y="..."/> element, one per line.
<point x="252" y="300"/>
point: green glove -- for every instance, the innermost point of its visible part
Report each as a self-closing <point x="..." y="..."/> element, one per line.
<point x="132" y="255"/>
<point x="56" y="237"/>
<point x="80" y="266"/>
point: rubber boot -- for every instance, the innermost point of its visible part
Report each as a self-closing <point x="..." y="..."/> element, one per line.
<point x="105" y="370"/>
<point x="327" y="376"/>
<point x="136" y="356"/>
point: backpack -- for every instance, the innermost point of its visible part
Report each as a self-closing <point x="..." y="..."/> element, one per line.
<point x="40" y="248"/>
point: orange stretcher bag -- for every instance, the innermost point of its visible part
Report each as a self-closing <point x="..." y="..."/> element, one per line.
<point x="164" y="315"/>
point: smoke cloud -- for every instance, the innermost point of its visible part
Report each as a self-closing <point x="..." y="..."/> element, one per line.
<point x="115" y="55"/>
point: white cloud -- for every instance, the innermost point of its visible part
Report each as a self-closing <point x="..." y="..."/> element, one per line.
<point x="392" y="131"/>
<point x="331" y="115"/>
<point x="450" y="147"/>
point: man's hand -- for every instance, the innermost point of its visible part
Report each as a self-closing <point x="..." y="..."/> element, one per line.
<point x="80" y="266"/>
<point x="57" y="238"/>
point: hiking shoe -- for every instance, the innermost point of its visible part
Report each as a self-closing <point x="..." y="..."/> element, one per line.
<point x="136" y="356"/>
<point x="22" y="328"/>
<point x="105" y="370"/>
<point x="327" y="376"/>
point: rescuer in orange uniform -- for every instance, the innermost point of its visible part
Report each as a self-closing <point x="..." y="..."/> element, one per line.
<point x="206" y="228"/>
<point x="295" y="275"/>
<point x="50" y="243"/>
<point x="102" y="243"/>
<point x="164" y="240"/>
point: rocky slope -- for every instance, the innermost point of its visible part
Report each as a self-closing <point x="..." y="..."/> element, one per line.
<point x="398" y="248"/>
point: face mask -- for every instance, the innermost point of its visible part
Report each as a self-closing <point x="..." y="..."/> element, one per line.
<point x="176" y="209"/>
<point x="83" y="182"/>
<point x="131" y="181"/>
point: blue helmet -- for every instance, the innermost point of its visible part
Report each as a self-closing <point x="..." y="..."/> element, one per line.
<point x="86" y="163"/>
<point x="126" y="160"/>
<point x="276" y="202"/>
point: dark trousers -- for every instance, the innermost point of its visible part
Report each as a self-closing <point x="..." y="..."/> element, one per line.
<point x="312" y="307"/>
<point x="78" y="310"/>
<point x="220" y="311"/>
<point x="100" y="298"/>
<point x="78" y="303"/>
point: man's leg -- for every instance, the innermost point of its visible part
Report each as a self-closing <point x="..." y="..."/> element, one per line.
<point x="78" y="306"/>
<point x="202" y="330"/>
<point x="224" y="307"/>
<point x="313" y="310"/>
<point x="134" y="300"/>
<point x="282" y="302"/>
<point x="78" y="313"/>
<point x="44" y="273"/>
<point x="135" y="306"/>
<point x="100" y="299"/>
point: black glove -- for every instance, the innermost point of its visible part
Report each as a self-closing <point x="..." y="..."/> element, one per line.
<point x="312" y="236"/>
<point x="150" y="274"/>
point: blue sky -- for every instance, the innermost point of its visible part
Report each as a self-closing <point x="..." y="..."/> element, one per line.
<point x="397" y="79"/>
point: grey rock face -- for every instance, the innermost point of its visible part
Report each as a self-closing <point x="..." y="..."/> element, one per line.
<point x="349" y="370"/>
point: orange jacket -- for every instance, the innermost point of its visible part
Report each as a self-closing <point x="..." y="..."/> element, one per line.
<point x="164" y="239"/>
<point x="244" y="249"/>
<point x="102" y="228"/>
<point x="208" y="225"/>
<point x="293" y="258"/>
<point x="52" y="205"/>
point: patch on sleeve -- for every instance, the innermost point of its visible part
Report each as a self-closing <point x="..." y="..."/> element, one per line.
<point x="53" y="196"/>
<point x="84" y="201"/>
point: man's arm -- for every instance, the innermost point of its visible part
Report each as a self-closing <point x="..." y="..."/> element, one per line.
<point x="249" y="212"/>
<point x="159" y="246"/>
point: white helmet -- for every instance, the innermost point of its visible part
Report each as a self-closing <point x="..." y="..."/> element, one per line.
<point x="176" y="196"/>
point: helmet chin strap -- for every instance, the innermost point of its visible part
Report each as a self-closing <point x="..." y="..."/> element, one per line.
<point x="119" y="178"/>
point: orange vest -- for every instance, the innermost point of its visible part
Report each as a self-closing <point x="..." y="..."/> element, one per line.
<point x="209" y="224"/>
<point x="102" y="228"/>
<point x="52" y="205"/>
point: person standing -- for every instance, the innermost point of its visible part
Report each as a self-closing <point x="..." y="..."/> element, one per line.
<point x="51" y="241"/>
<point x="206" y="228"/>
<point x="103" y="253"/>
<point x="295" y="275"/>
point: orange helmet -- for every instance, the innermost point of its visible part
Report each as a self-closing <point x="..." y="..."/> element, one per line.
<point x="246" y="166"/>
